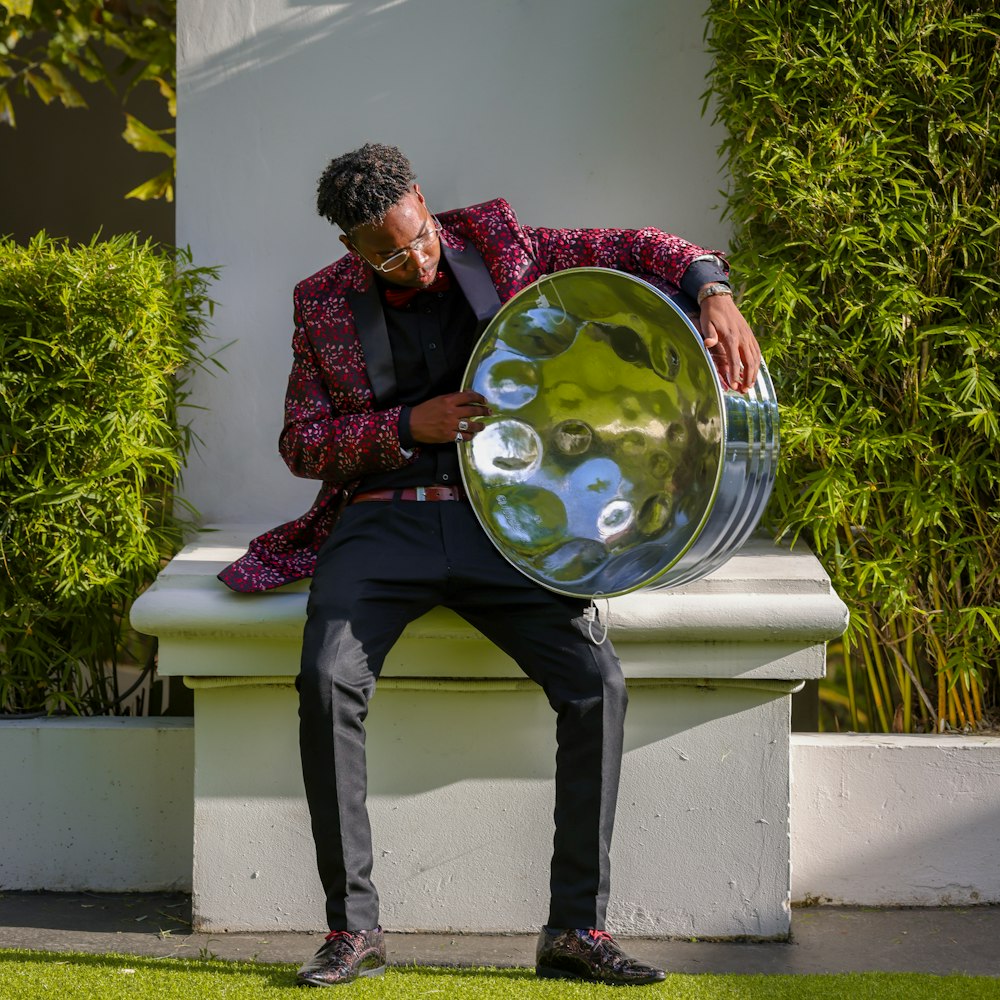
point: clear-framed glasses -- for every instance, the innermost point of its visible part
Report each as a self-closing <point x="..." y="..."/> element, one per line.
<point x="419" y="245"/>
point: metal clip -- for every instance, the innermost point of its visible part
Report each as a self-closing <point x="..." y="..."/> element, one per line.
<point x="590" y="616"/>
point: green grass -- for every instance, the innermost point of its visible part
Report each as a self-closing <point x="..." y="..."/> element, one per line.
<point x="27" y="975"/>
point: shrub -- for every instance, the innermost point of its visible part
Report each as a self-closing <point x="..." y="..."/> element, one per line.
<point x="864" y="151"/>
<point x="94" y="341"/>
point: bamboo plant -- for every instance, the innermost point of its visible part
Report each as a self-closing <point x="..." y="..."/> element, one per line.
<point x="864" y="153"/>
<point x="95" y="342"/>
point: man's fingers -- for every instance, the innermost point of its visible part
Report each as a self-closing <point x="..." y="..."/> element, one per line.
<point x="736" y="355"/>
<point x="726" y="355"/>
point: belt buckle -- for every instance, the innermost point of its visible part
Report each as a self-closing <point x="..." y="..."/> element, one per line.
<point x="421" y="492"/>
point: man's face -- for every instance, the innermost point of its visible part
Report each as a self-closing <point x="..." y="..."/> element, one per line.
<point x="406" y="223"/>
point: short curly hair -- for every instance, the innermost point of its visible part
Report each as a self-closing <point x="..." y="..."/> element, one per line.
<point x="359" y="188"/>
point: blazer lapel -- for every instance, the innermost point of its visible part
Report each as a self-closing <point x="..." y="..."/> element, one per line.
<point x="474" y="279"/>
<point x="369" y="321"/>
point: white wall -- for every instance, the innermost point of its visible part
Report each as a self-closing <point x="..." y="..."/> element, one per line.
<point x="580" y="112"/>
<point x="107" y="805"/>
<point x="880" y="820"/>
<point x="101" y="804"/>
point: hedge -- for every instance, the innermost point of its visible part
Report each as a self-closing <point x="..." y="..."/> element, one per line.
<point x="95" y="342"/>
<point x="864" y="151"/>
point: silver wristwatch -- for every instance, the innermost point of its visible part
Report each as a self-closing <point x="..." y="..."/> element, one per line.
<point x="715" y="288"/>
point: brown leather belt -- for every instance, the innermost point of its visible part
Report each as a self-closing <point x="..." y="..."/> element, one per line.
<point x="412" y="493"/>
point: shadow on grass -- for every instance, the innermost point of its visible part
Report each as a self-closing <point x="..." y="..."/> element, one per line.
<point x="273" y="974"/>
<point x="464" y="970"/>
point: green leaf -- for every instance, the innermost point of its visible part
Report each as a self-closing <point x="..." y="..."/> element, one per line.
<point x="160" y="186"/>
<point x="169" y="94"/>
<point x="42" y="87"/>
<point x="65" y="91"/>
<point x="17" y="8"/>
<point x="6" y="108"/>
<point x="145" y="139"/>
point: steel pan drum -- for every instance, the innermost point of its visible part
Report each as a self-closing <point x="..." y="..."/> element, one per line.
<point x="614" y="458"/>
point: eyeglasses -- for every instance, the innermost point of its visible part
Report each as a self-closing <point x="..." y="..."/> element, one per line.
<point x="419" y="245"/>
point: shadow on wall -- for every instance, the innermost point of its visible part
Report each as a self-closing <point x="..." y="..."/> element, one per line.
<point x="916" y="860"/>
<point x="424" y="741"/>
<point x="553" y="94"/>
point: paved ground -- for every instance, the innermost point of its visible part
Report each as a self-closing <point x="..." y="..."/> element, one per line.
<point x="823" y="939"/>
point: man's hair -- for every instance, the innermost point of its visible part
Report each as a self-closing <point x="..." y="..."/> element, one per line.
<point x="359" y="188"/>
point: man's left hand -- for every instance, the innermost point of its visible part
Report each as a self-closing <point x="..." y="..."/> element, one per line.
<point x="730" y="341"/>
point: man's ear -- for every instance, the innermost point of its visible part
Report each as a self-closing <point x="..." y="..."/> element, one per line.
<point x="350" y="246"/>
<point x="418" y="193"/>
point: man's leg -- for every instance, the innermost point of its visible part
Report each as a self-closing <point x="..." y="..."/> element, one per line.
<point x="373" y="577"/>
<point x="547" y="635"/>
<point x="584" y="685"/>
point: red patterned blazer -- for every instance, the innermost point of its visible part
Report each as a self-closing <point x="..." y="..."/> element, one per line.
<point x="335" y="429"/>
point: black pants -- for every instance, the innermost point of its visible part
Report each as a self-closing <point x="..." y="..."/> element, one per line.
<point x="385" y="564"/>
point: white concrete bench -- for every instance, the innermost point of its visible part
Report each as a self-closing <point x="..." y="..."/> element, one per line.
<point x="461" y="751"/>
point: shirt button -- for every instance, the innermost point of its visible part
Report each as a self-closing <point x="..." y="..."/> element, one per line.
<point x="432" y="346"/>
<point x="445" y="477"/>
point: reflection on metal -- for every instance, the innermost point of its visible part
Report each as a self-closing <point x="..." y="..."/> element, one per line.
<point x="614" y="459"/>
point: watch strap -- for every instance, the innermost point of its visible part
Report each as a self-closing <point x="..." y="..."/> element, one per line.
<point x="715" y="288"/>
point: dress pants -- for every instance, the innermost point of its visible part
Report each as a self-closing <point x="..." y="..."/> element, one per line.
<point x="385" y="564"/>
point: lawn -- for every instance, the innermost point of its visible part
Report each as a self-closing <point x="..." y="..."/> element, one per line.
<point x="27" y="975"/>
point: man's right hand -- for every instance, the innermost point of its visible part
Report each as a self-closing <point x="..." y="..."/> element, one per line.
<point x="446" y="418"/>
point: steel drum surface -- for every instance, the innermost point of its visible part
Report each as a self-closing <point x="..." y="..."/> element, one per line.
<point x="614" y="458"/>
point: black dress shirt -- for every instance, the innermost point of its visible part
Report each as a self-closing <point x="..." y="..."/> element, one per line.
<point x="432" y="338"/>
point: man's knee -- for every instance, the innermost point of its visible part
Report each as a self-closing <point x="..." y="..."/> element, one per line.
<point x="597" y="683"/>
<point x="615" y="694"/>
<point x="335" y="666"/>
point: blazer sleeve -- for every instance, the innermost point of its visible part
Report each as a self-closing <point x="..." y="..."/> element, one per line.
<point x="637" y="251"/>
<point x="320" y="441"/>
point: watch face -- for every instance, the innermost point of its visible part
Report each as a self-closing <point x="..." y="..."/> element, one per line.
<point x="717" y="288"/>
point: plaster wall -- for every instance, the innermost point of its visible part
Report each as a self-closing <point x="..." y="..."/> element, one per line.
<point x="104" y="804"/>
<point x="461" y="812"/>
<point x="880" y="820"/>
<point x="579" y="112"/>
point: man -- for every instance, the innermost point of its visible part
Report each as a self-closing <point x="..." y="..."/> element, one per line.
<point x="382" y="337"/>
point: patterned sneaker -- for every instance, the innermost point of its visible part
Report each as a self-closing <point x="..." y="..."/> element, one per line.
<point x="344" y="956"/>
<point x="590" y="955"/>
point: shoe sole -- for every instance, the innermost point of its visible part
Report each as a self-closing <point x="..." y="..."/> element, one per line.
<point x="345" y="982"/>
<point x="542" y="973"/>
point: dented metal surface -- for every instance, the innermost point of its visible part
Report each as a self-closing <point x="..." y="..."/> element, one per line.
<point x="614" y="458"/>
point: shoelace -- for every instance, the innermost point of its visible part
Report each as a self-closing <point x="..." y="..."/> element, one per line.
<point x="338" y="934"/>
<point x="599" y="936"/>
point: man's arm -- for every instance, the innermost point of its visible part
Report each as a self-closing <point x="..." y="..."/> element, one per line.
<point x="682" y="264"/>
<point x="317" y="441"/>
